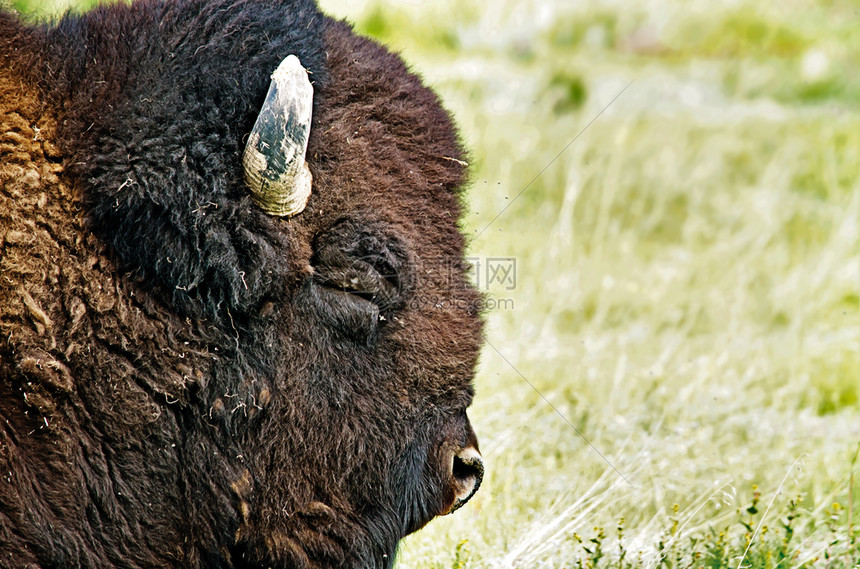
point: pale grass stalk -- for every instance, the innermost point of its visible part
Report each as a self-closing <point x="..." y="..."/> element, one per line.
<point x="764" y="516"/>
<point x="690" y="517"/>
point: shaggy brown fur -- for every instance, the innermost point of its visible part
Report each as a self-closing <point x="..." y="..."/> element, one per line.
<point x="182" y="384"/>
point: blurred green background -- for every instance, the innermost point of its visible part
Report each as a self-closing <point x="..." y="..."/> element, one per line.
<point x="686" y="317"/>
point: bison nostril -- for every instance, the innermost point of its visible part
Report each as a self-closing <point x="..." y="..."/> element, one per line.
<point x="467" y="473"/>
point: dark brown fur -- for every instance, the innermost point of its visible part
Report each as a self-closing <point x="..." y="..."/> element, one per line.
<point x="261" y="419"/>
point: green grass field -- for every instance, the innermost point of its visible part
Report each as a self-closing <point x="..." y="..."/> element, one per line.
<point x="679" y="183"/>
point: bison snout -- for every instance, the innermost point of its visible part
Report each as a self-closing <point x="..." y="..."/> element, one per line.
<point x="467" y="472"/>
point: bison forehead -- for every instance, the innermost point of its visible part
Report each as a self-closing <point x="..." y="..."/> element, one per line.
<point x="383" y="148"/>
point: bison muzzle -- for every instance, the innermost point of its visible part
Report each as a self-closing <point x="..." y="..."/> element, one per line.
<point x="236" y="328"/>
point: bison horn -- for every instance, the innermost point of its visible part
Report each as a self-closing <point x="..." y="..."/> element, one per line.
<point x="274" y="159"/>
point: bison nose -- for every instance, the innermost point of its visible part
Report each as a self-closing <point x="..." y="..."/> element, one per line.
<point x="467" y="473"/>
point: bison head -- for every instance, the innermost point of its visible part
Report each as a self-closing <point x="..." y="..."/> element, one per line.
<point x="301" y="382"/>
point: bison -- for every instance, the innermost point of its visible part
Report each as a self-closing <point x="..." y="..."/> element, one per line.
<point x="219" y="349"/>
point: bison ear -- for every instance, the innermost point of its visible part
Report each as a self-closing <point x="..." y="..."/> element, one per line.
<point x="274" y="159"/>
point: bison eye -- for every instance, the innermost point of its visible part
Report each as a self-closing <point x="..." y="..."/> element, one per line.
<point x="361" y="277"/>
